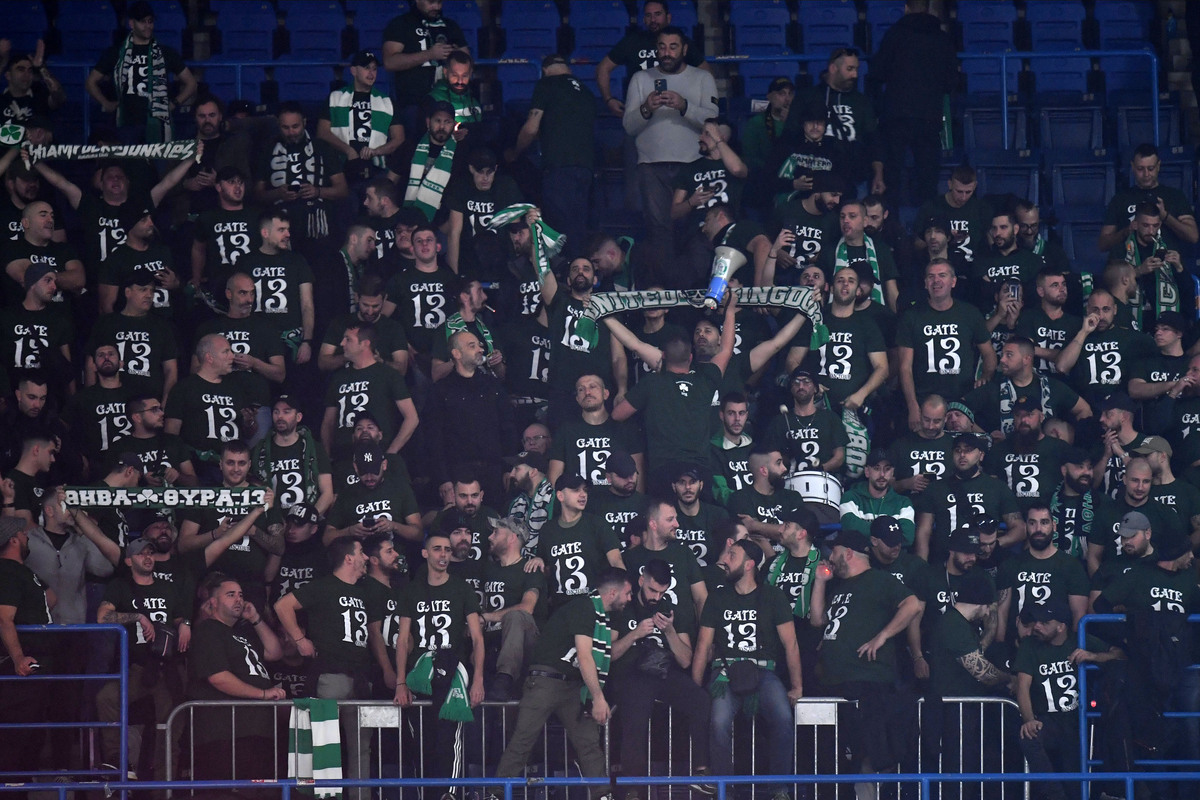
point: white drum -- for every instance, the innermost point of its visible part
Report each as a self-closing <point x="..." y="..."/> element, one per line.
<point x="820" y="491"/>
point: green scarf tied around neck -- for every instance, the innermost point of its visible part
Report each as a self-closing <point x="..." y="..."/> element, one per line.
<point x="457" y="707"/>
<point x="1166" y="291"/>
<point x="601" y="646"/>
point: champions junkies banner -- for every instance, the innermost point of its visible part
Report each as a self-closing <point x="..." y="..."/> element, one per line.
<point x="169" y="151"/>
<point x="165" y="497"/>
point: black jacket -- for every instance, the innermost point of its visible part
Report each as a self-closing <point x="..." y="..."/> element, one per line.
<point x="917" y="64"/>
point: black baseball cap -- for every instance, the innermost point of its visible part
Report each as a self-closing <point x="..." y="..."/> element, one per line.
<point x="620" y="464"/>
<point x="971" y="440"/>
<point x="303" y="513"/>
<point x="364" y="58"/>
<point x="804" y="518"/>
<point x="368" y="458"/>
<point x="535" y="460"/>
<point x="571" y="480"/>
<point x="483" y="158"/>
<point x="1053" y="609"/>
<point x="140" y="10"/>
<point x="781" y="83"/>
<point x="1118" y="400"/>
<point x="878" y="456"/>
<point x="1173" y="319"/>
<point x="887" y="530"/>
<point x="852" y="540"/>
<point x="230" y="172"/>
<point x="1077" y="455"/>
<point x="965" y="540"/>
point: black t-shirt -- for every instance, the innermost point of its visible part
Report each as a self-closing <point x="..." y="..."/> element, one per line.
<point x="20" y="109"/>
<point x="416" y="33"/>
<point x="135" y="83"/>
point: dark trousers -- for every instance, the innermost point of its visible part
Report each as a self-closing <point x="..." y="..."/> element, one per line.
<point x="921" y="137"/>
<point x="1055" y="748"/>
<point x="635" y="693"/>
<point x="566" y="202"/>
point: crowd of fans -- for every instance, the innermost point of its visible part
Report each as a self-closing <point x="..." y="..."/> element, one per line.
<point x="476" y="492"/>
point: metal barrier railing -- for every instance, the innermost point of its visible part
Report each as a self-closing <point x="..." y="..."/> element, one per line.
<point x="1088" y="714"/>
<point x="121" y="676"/>
<point x="404" y="755"/>
<point x="925" y="782"/>
<point x="1002" y="57"/>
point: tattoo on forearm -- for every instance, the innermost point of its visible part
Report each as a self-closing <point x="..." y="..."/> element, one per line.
<point x="983" y="670"/>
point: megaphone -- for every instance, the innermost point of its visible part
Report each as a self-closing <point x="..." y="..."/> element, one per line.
<point x="726" y="261"/>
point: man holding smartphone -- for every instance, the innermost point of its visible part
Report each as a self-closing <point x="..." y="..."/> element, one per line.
<point x="665" y="110"/>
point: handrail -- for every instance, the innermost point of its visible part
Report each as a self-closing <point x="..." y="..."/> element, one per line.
<point x="121" y="676"/>
<point x="1084" y="713"/>
<point x="1003" y="56"/>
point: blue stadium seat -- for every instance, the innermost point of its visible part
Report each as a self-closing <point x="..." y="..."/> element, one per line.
<point x="245" y="29"/>
<point x="598" y="25"/>
<point x="25" y="23"/>
<point x="1076" y="128"/>
<point x="470" y="19"/>
<point x="86" y="27"/>
<point x="684" y="14"/>
<point x="983" y="129"/>
<point x="1079" y="237"/>
<point x="518" y="81"/>
<point x="1056" y="25"/>
<point x="372" y="16"/>
<point x="827" y="24"/>
<point x="983" y="75"/>
<point x="757" y="75"/>
<point x="169" y="22"/>
<point x="1008" y="172"/>
<point x="759" y="27"/>
<point x="1082" y="183"/>
<point x="532" y="32"/>
<point x="1124" y="24"/>
<point x="306" y="85"/>
<point x="1177" y="170"/>
<point x="1135" y="124"/>
<point x="987" y="27"/>
<point x="314" y="29"/>
<point x="1061" y="75"/>
<point x="1127" y="75"/>
<point x="881" y="15"/>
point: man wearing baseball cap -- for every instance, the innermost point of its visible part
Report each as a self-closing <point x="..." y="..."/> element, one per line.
<point x="1028" y="460"/>
<point x="949" y="501"/>
<point x="151" y="610"/>
<point x="809" y="436"/>
<point x="1050" y="724"/>
<point x="862" y="611"/>
<point x="573" y="547"/>
<point x="619" y="501"/>
<point x="696" y="517"/>
<point x="1076" y="504"/>
<point x="225" y="233"/>
<point x="1135" y="495"/>
<point x="292" y="460"/>
<point x="873" y="497"/>
<point x="376" y="504"/>
<point x="304" y="558"/>
<point x="359" y="122"/>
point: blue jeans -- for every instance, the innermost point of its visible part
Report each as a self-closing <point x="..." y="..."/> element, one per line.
<point x="775" y="710"/>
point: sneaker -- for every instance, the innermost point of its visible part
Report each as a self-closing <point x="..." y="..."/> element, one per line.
<point x="707" y="789"/>
<point x="130" y="775"/>
<point x="502" y="687"/>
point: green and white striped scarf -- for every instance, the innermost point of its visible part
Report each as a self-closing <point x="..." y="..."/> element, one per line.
<point x="1166" y="291"/>
<point x="342" y="124"/>
<point x="546" y="242"/>
<point x="158" y="112"/>
<point x="457" y="706"/>
<point x="800" y="607"/>
<point x="601" y="645"/>
<point x="841" y="258"/>
<point x="456" y="323"/>
<point x="315" y="743"/>
<point x="426" y="181"/>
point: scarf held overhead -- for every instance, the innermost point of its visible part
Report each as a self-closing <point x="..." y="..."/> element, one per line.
<point x="545" y="241"/>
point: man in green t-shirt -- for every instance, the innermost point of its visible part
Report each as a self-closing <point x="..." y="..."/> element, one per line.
<point x="1047" y="689"/>
<point x="755" y="628"/>
<point x="338" y="619"/>
<point x="570" y="663"/>
<point x="510" y="600"/>
<point x="439" y="614"/>
<point x="861" y="612"/>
